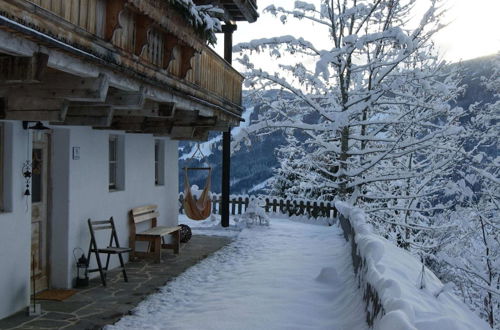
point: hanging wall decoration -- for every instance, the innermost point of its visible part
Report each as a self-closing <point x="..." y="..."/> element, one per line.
<point x="27" y="177"/>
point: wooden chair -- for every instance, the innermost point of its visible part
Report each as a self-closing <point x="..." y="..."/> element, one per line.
<point x="112" y="248"/>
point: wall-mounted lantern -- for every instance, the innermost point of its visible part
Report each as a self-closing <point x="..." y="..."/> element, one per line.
<point x="39" y="126"/>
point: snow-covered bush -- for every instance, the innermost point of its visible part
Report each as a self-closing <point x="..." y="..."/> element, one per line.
<point x="254" y="214"/>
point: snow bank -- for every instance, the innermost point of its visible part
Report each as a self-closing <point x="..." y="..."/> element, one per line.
<point x="398" y="291"/>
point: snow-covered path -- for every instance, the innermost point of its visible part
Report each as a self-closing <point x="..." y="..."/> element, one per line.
<point x="287" y="276"/>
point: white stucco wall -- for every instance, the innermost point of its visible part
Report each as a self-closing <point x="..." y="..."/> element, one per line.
<point x="15" y="224"/>
<point x="79" y="190"/>
<point x="89" y="197"/>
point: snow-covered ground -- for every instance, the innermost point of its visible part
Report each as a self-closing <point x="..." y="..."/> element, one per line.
<point x="289" y="275"/>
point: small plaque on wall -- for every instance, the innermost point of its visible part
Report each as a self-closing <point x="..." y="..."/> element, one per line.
<point x="76" y="153"/>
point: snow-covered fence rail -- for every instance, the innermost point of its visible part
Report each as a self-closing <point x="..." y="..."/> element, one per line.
<point x="374" y="308"/>
<point x="399" y="292"/>
<point x="239" y="204"/>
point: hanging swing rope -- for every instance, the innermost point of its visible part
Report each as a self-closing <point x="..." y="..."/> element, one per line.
<point x="201" y="208"/>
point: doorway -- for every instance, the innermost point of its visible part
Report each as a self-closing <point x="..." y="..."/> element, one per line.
<point x="39" y="212"/>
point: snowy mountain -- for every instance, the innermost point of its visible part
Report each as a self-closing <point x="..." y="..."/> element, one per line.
<point x="252" y="167"/>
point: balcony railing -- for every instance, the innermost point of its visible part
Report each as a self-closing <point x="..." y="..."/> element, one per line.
<point x="150" y="39"/>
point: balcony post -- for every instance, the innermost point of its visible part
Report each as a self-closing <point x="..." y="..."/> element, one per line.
<point x="228" y="30"/>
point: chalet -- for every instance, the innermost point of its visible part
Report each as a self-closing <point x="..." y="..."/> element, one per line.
<point x="94" y="96"/>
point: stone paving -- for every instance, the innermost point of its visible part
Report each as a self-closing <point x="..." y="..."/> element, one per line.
<point x="97" y="306"/>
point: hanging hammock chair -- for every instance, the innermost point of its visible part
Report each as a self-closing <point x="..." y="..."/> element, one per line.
<point x="201" y="208"/>
<point x="197" y="208"/>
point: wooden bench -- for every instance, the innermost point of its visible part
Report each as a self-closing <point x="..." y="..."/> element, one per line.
<point x="154" y="235"/>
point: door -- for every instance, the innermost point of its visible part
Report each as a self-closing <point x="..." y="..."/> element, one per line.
<point x="39" y="205"/>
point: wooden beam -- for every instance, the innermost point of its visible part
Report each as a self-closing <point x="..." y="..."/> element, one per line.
<point x="124" y="100"/>
<point x="64" y="86"/>
<point x="141" y="124"/>
<point x="149" y="109"/>
<point x="22" y="103"/>
<point x="29" y="108"/>
<point x="81" y="116"/>
<point x="15" y="69"/>
<point x="167" y="109"/>
<point x="198" y="122"/>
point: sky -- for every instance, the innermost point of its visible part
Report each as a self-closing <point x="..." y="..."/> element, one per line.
<point x="473" y="30"/>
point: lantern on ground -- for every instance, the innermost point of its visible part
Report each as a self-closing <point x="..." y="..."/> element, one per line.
<point x="82" y="266"/>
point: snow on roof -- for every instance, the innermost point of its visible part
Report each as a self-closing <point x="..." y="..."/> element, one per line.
<point x="203" y="18"/>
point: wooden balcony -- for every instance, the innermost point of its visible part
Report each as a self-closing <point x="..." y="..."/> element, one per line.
<point x="144" y="51"/>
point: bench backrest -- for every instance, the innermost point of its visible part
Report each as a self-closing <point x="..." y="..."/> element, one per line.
<point x="145" y="213"/>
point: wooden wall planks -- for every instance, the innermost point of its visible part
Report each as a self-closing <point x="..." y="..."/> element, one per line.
<point x="126" y="29"/>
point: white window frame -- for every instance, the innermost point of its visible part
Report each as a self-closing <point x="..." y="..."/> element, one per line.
<point x="159" y="162"/>
<point x="116" y="182"/>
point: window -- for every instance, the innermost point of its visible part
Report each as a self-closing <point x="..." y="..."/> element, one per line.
<point x="113" y="146"/>
<point x="159" y="163"/>
<point x="116" y="163"/>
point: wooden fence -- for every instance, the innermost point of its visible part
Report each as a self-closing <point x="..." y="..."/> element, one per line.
<point x="239" y="204"/>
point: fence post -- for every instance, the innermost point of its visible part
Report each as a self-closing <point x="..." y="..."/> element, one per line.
<point x="233" y="205"/>
<point x="247" y="201"/>
<point x="240" y="204"/>
<point x="282" y="206"/>
<point x="288" y="205"/>
<point x="302" y="208"/>
<point x="308" y="208"/>
<point x="214" y="204"/>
